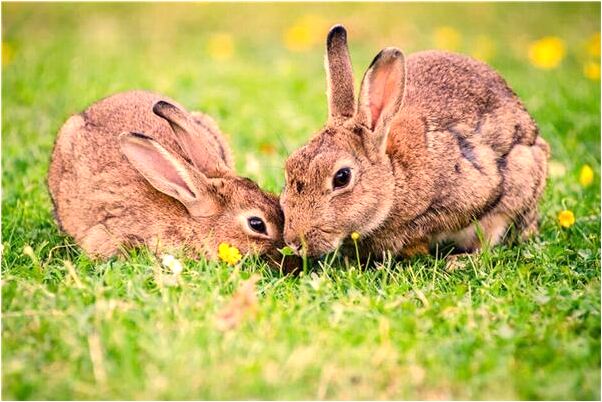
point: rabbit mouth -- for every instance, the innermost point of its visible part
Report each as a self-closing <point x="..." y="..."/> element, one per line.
<point x="290" y="264"/>
<point x="321" y="242"/>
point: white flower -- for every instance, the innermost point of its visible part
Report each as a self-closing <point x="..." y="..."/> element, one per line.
<point x="316" y="281"/>
<point x="171" y="262"/>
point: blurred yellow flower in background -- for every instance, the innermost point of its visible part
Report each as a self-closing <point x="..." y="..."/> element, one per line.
<point x="220" y="46"/>
<point x="267" y="148"/>
<point x="547" y="53"/>
<point x="306" y="32"/>
<point x="229" y="254"/>
<point x="7" y="53"/>
<point x="566" y="218"/>
<point x="446" y="38"/>
<point x="484" y="48"/>
<point x="593" y="45"/>
<point x="586" y="175"/>
<point x="355" y="236"/>
<point x="591" y="70"/>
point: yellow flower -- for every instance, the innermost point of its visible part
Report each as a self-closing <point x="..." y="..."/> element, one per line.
<point x="484" y="48"/>
<point x="220" y="46"/>
<point x="228" y="253"/>
<point x="592" y="70"/>
<point x="566" y="218"/>
<point x="355" y="236"/>
<point x="547" y="53"/>
<point x="306" y="32"/>
<point x="586" y="175"/>
<point x="7" y="53"/>
<point x="593" y="45"/>
<point x="446" y="38"/>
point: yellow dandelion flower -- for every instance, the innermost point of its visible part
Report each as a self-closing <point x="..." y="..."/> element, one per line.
<point x="591" y="70"/>
<point x="229" y="254"/>
<point x="566" y="218"/>
<point x="447" y="38"/>
<point x="355" y="236"/>
<point x="593" y="45"/>
<point x="7" y="53"/>
<point x="547" y="53"/>
<point x="305" y="33"/>
<point x="484" y="48"/>
<point x="220" y="46"/>
<point x="586" y="175"/>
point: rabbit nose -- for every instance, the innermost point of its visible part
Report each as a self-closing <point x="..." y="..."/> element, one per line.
<point x="295" y="246"/>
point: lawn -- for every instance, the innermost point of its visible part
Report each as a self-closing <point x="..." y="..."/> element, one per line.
<point x="512" y="322"/>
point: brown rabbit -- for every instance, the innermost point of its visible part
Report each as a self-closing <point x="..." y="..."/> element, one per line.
<point x="122" y="175"/>
<point x="438" y="149"/>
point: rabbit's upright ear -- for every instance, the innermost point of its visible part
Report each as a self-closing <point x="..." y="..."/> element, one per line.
<point x="339" y="75"/>
<point x="382" y="91"/>
<point x="170" y="174"/>
<point x="196" y="144"/>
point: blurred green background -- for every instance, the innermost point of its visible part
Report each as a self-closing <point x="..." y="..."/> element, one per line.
<point x="258" y="70"/>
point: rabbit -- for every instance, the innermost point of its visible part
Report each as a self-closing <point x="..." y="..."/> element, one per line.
<point x="439" y="150"/>
<point x="137" y="169"/>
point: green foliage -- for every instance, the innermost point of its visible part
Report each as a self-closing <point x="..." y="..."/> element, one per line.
<point x="512" y="322"/>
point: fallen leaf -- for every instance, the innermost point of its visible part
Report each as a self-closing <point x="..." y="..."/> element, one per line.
<point x="242" y="305"/>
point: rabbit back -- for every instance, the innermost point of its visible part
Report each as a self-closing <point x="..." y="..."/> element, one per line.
<point x="455" y="92"/>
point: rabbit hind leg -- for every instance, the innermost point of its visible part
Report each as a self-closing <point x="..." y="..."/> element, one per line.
<point x="490" y="230"/>
<point x="524" y="171"/>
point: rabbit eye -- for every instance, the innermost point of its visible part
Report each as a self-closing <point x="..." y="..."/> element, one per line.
<point x="257" y="225"/>
<point x="341" y="178"/>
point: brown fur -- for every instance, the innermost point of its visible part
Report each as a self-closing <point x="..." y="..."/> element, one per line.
<point x="103" y="199"/>
<point x="438" y="145"/>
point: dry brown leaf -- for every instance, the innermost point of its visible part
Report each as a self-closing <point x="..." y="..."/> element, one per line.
<point x="242" y="305"/>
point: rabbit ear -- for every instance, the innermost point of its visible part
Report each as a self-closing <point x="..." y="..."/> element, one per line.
<point x="382" y="90"/>
<point x="169" y="174"/>
<point x="195" y="143"/>
<point x="339" y="75"/>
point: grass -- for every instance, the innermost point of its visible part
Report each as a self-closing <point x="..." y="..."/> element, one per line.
<point x="513" y="322"/>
